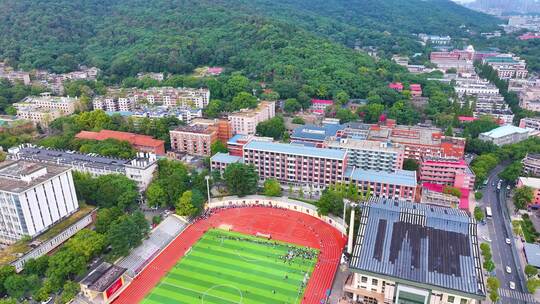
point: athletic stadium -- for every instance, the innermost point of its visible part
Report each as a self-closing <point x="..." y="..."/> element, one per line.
<point x="255" y="251"/>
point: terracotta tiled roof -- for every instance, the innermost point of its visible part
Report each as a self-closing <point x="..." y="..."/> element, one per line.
<point x="132" y="138"/>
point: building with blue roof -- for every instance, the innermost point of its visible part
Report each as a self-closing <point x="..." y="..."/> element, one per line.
<point x="505" y="135"/>
<point x="415" y="253"/>
<point x="314" y="133"/>
<point x="220" y="161"/>
<point x="400" y="184"/>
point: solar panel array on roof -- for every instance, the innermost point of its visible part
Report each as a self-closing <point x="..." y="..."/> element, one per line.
<point x="430" y="245"/>
<point x="29" y="152"/>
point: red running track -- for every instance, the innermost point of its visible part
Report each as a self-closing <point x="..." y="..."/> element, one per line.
<point x="284" y="225"/>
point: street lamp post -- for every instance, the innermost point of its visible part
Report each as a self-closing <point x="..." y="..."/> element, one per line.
<point x="345" y="203"/>
<point x="207" y="178"/>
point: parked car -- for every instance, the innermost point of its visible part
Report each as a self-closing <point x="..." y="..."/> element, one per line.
<point x="508" y="269"/>
<point x="512" y="285"/>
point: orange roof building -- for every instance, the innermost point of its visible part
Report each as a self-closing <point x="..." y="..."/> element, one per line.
<point x="143" y="143"/>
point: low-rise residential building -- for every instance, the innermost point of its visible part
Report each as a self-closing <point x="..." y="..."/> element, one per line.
<point x="34" y="196"/>
<point x="474" y="86"/>
<point x="370" y="155"/>
<point x="315" y="135"/>
<point x="531" y="164"/>
<point x="459" y="60"/>
<point x="532" y="123"/>
<point x="433" y="194"/>
<point x="529" y="98"/>
<point x="220" y="161"/>
<point x="505" y="135"/>
<point x="446" y="171"/>
<point x="222" y="126"/>
<point x="400" y="184"/>
<point x="194" y="139"/>
<point x="507" y="66"/>
<point x="435" y="39"/>
<point x="418" y="141"/>
<point x="140" y="169"/>
<point x="416" y="90"/>
<point x="534" y="184"/>
<point x="45" y="108"/>
<point x="502" y="117"/>
<point x="398" y="86"/>
<point x="155" y="76"/>
<point x="104" y="283"/>
<point x="415" y="253"/>
<point x="320" y="105"/>
<point x="142" y="143"/>
<point x="245" y="121"/>
<point x="12" y="75"/>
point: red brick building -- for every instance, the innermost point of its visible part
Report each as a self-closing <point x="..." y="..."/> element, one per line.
<point x="143" y="143"/>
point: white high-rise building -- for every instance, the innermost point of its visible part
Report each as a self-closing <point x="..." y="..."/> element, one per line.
<point x="33" y="197"/>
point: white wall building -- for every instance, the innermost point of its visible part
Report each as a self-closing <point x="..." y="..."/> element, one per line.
<point x="33" y="197"/>
<point x="245" y="121"/>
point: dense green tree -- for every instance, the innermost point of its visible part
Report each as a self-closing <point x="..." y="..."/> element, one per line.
<point x="272" y="187"/>
<point x="241" y="179"/>
<point x="16" y="286"/>
<point x="126" y="233"/>
<point x="63" y="265"/>
<point x="87" y="243"/>
<point x="69" y="291"/>
<point x="478" y="214"/>
<point x="474" y="128"/>
<point x="185" y="205"/>
<point x="531" y="271"/>
<point x="523" y="196"/>
<point x="218" y="146"/>
<point x="274" y="127"/>
<point x="331" y="202"/>
<point x="36" y="266"/>
<point x="345" y="115"/>
<point x="511" y="173"/>
<point x="298" y="120"/>
<point x="244" y="100"/>
<point x="410" y="164"/>
<point x="105" y="217"/>
<point x="372" y="112"/>
<point x="292" y="105"/>
<point x="5" y="272"/>
<point x="452" y="191"/>
<point x="155" y="195"/>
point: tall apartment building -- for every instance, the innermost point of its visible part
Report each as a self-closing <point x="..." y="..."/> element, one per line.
<point x="222" y="126"/>
<point x="245" y="121"/>
<point x="507" y="66"/>
<point x="314" y="168"/>
<point x="140" y="169"/>
<point x="531" y="164"/>
<point x="447" y="171"/>
<point x="33" y="197"/>
<point x="173" y="97"/>
<point x="45" y="108"/>
<point x="370" y="155"/>
<point x="460" y="60"/>
<point x="296" y="164"/>
<point x="415" y="253"/>
<point x="194" y="140"/>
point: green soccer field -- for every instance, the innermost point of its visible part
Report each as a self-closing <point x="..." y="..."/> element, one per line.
<point x="228" y="267"/>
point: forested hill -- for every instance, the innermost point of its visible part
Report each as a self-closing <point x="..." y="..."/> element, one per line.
<point x="263" y="38"/>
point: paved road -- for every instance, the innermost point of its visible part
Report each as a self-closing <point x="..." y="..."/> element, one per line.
<point x="503" y="254"/>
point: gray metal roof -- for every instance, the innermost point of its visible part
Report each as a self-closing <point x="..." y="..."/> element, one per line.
<point x="423" y="245"/>
<point x="532" y="252"/>
<point x="40" y="154"/>
<point x="295" y="150"/>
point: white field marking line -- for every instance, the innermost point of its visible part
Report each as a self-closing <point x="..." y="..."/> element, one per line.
<point x="222" y="285"/>
<point x="205" y="293"/>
